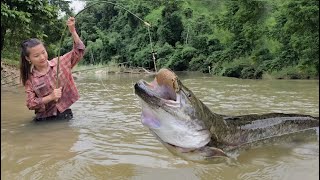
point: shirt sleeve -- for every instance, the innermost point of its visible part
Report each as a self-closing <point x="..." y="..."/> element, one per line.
<point x="71" y="58"/>
<point x="33" y="102"/>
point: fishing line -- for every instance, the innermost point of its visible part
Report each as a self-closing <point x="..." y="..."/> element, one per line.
<point x="104" y="85"/>
<point x="87" y="7"/>
<point x="153" y="52"/>
<point x="99" y="75"/>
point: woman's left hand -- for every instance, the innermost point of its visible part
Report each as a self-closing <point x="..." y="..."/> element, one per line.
<point x="71" y="24"/>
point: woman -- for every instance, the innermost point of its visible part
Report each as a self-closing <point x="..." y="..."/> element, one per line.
<point x="39" y="77"/>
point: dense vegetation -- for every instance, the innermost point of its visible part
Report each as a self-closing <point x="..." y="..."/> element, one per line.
<point x="237" y="38"/>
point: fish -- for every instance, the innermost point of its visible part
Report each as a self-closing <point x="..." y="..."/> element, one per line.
<point x="189" y="129"/>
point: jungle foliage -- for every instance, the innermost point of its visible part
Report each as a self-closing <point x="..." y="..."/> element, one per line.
<point x="236" y="38"/>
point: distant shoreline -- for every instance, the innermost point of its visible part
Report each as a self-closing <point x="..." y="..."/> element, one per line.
<point x="10" y="73"/>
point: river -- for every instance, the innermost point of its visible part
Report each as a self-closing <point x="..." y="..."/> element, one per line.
<point x="106" y="140"/>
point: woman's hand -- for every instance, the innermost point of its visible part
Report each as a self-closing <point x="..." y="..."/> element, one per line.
<point x="72" y="28"/>
<point x="56" y="94"/>
<point x="71" y="24"/>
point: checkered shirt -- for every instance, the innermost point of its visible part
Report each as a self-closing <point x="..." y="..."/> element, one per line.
<point x="41" y="85"/>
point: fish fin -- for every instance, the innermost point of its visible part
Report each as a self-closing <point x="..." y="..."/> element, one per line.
<point x="212" y="152"/>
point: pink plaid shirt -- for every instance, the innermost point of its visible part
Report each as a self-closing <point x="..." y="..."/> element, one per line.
<point x="39" y="86"/>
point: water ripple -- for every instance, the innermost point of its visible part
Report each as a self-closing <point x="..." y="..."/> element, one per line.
<point x="106" y="140"/>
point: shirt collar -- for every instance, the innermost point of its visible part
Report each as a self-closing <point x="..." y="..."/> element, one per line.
<point x="36" y="73"/>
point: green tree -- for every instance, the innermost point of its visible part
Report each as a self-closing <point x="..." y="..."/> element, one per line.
<point x="171" y="27"/>
<point x="21" y="19"/>
<point x="297" y="29"/>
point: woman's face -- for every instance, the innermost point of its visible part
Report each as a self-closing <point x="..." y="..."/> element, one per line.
<point x="38" y="56"/>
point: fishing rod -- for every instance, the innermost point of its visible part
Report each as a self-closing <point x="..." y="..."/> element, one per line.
<point x="93" y="4"/>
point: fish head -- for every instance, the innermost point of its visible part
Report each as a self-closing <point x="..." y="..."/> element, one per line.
<point x="172" y="112"/>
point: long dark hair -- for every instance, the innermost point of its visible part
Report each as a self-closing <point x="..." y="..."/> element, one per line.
<point x="24" y="64"/>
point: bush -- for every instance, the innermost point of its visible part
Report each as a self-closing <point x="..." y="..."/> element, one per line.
<point x="240" y="68"/>
<point x="293" y="72"/>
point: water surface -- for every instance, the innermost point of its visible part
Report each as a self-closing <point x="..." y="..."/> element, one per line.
<point x="105" y="139"/>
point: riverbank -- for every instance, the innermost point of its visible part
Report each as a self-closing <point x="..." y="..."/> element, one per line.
<point x="111" y="68"/>
<point x="10" y="74"/>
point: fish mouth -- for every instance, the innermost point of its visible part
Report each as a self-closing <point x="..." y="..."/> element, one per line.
<point x="157" y="95"/>
<point x="165" y="114"/>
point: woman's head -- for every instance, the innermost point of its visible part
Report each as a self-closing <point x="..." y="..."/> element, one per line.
<point x="33" y="53"/>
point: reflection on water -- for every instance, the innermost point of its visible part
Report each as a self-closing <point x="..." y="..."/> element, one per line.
<point x="105" y="139"/>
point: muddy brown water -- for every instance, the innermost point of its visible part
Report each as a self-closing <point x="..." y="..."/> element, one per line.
<point x="105" y="139"/>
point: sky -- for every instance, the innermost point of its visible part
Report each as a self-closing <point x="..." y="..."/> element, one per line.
<point x="77" y="5"/>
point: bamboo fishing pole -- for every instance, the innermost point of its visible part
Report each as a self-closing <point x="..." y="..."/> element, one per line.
<point x="87" y="7"/>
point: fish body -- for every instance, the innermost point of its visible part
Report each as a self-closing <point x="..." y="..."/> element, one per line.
<point x="188" y="128"/>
